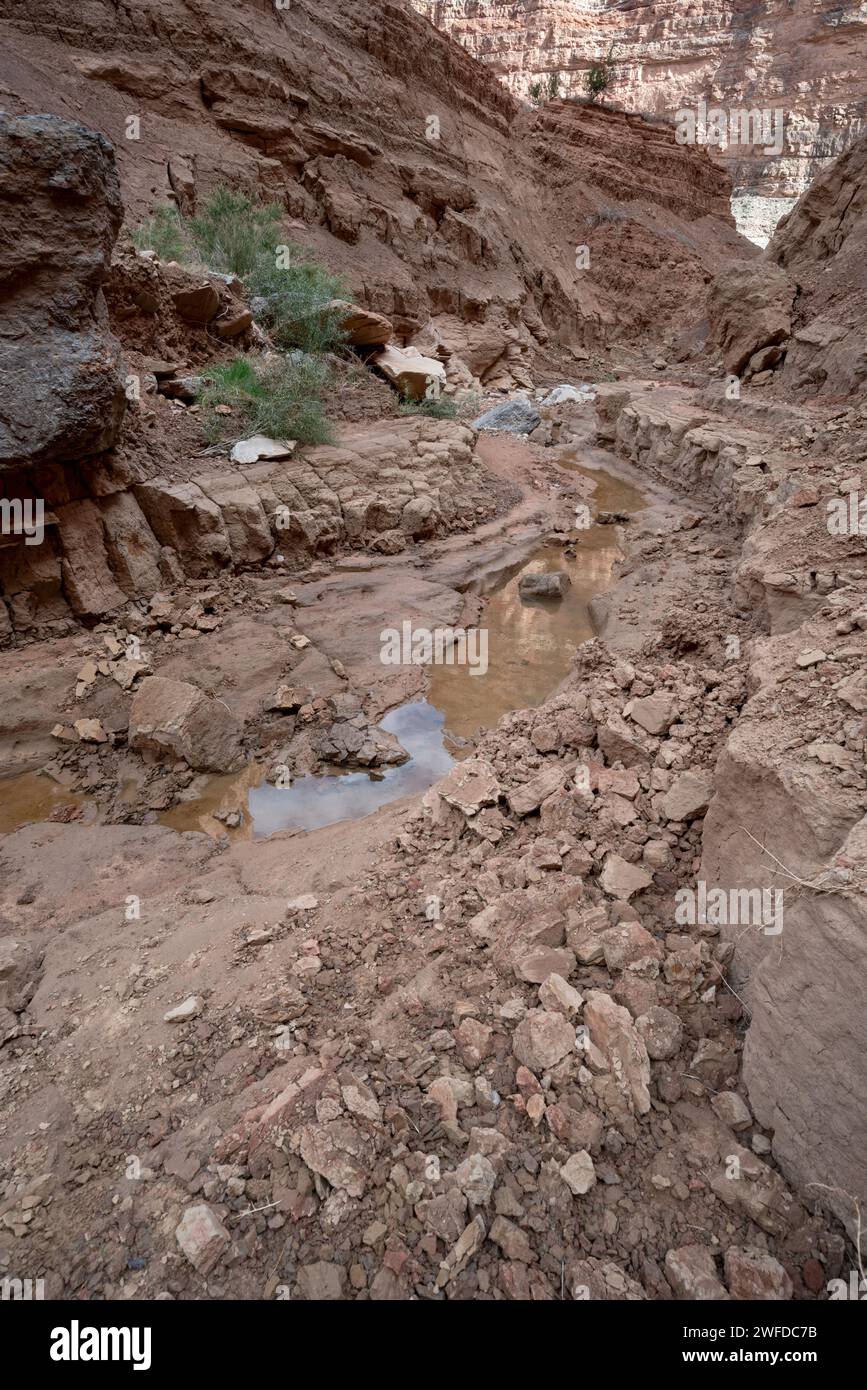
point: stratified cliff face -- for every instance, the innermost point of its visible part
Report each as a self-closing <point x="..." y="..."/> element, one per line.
<point x="439" y="198"/>
<point x="807" y="58"/>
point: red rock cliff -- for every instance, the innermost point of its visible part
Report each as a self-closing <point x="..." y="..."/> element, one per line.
<point x="441" y="199"/>
<point x="807" y="57"/>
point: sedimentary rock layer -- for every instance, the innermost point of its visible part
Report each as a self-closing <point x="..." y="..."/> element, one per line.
<point x="806" y="57"/>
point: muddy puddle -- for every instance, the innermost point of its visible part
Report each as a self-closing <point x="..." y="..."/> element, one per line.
<point x="30" y="797"/>
<point x="314" y="801"/>
<point x="530" y="646"/>
<point x="529" y="652"/>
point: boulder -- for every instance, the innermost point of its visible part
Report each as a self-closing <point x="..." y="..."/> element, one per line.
<point x="653" y="713"/>
<point x="61" y="383"/>
<point x="628" y="946"/>
<point x="515" y="417"/>
<point x="202" y="1237"/>
<point x="197" y="303"/>
<point x="552" y="585"/>
<point x="732" y="1109"/>
<point x="567" y="395"/>
<point x="691" y="1272"/>
<point x="529" y="797"/>
<point x="613" y="1032"/>
<point x="414" y="376"/>
<point x="260" y="446"/>
<point x="578" y="1173"/>
<point x="542" y="1039"/>
<point x="361" y="327"/>
<point x="322" y="1282"/>
<point x="559" y="996"/>
<point x="602" y="1281"/>
<point x="661" y="1031"/>
<point x="470" y="785"/>
<point x="620" y="879"/>
<point x="176" y="720"/>
<point x="749" y="307"/>
<point x="754" y="1274"/>
<point x="688" y="797"/>
<point x="20" y="972"/>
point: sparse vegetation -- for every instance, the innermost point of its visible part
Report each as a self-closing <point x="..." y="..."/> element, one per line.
<point x="443" y="407"/>
<point x="437" y="407"/>
<point x="600" y="76"/>
<point x="235" y="236"/>
<point x="281" y="397"/>
<point x="545" y="91"/>
<point x="598" y="219"/>
<point x="298" y="292"/>
<point x="165" y="234"/>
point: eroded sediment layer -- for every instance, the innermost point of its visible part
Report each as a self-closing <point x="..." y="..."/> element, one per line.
<point x="807" y="60"/>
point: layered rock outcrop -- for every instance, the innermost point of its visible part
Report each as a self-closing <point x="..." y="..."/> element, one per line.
<point x="805" y="59"/>
<point x="822" y="244"/>
<point x="445" y="202"/>
<point x="799" y="311"/>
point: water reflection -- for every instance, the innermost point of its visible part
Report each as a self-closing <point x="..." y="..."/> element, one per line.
<point x="312" y="801"/>
<point x="531" y="644"/>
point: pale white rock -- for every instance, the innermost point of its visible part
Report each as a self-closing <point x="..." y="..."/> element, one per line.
<point x="259" y="446"/>
<point x="182" y="1013"/>
<point x="578" y="1173"/>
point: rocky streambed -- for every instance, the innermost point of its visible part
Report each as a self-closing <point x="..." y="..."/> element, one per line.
<point x="529" y="647"/>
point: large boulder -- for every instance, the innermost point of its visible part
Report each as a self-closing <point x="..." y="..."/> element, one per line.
<point x="552" y="585"/>
<point x="20" y="973"/>
<point x="515" y="417"/>
<point x="749" y="307"/>
<point x="361" y="327"/>
<point x="414" y="376"/>
<point x="61" y="388"/>
<point x="176" y="720"/>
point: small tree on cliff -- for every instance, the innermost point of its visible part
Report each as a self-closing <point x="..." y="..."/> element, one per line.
<point x="600" y="76"/>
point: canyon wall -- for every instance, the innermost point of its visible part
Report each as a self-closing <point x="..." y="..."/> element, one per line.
<point x="445" y="205"/>
<point x="807" y="58"/>
<point x="443" y="198"/>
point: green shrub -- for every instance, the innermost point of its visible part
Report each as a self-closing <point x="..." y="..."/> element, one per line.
<point x="553" y="86"/>
<point x="164" y="233"/>
<point x="280" y="397"/>
<point x="235" y="236"/>
<point x="600" y="76"/>
<point x="437" y="407"/>
<point x="232" y="234"/>
<point x="297" y="292"/>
